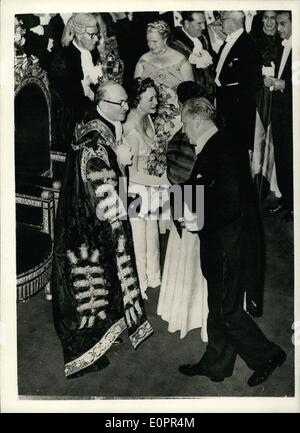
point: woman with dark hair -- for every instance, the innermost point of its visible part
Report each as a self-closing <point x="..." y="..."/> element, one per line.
<point x="140" y="135"/>
<point x="269" y="43"/>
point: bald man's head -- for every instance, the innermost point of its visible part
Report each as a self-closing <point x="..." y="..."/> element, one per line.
<point x="111" y="98"/>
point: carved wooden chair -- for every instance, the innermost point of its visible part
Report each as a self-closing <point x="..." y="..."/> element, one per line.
<point x="34" y="235"/>
<point x="37" y="189"/>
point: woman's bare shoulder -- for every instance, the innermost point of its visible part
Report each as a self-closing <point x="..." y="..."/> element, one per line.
<point x="176" y="55"/>
<point x="129" y="131"/>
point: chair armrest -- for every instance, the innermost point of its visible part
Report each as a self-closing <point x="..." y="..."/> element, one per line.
<point x="33" y="196"/>
<point x="57" y="156"/>
<point x="44" y="182"/>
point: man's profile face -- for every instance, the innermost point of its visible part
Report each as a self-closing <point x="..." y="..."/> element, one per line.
<point x="116" y="95"/>
<point x="89" y="39"/>
<point x="195" y="27"/>
<point x="284" y="25"/>
<point x="190" y="127"/>
<point x="227" y="23"/>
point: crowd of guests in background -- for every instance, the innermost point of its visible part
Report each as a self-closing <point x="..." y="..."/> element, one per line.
<point x="162" y="84"/>
<point x="124" y="46"/>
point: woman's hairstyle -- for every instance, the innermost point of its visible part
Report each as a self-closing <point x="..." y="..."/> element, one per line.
<point x="289" y="13"/>
<point x="161" y="27"/>
<point x="138" y="88"/>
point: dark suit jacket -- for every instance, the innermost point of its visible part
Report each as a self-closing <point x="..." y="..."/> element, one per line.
<point x="240" y="79"/>
<point x="69" y="101"/>
<point x="223" y="170"/>
<point x="230" y="209"/>
<point x="204" y="77"/>
<point x="66" y="75"/>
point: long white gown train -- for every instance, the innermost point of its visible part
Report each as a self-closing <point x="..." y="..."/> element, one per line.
<point x="183" y="294"/>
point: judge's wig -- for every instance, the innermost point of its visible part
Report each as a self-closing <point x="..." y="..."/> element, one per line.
<point x="77" y="23"/>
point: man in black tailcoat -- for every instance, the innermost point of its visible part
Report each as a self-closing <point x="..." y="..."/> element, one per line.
<point x="74" y="74"/>
<point x="238" y="77"/>
<point x="222" y="168"/>
<point x="193" y="37"/>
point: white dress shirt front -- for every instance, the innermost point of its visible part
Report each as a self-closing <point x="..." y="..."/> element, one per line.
<point x="91" y="73"/>
<point x="230" y="41"/>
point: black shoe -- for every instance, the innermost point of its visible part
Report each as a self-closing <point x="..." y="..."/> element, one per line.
<point x="288" y="217"/>
<point x="277" y="208"/>
<point x="197" y="370"/>
<point x="260" y="376"/>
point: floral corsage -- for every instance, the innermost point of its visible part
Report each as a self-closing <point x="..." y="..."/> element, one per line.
<point x="201" y="59"/>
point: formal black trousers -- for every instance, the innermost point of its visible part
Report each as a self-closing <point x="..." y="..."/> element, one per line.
<point x="231" y="330"/>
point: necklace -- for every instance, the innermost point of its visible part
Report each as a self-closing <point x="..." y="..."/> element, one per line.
<point x="161" y="53"/>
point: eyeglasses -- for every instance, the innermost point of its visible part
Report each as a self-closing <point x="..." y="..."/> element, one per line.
<point x="121" y="103"/>
<point x="92" y="35"/>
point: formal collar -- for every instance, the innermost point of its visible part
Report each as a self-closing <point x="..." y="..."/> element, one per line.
<point x="82" y="50"/>
<point x="116" y="124"/>
<point x="234" y="35"/>
<point x="203" y="139"/>
<point x="190" y="37"/>
<point x="287" y="42"/>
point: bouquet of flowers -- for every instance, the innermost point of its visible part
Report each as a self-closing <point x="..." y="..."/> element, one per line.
<point x="157" y="160"/>
<point x="200" y="58"/>
<point x="165" y="125"/>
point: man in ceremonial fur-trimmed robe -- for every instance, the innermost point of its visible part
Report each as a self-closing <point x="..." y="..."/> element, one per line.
<point x="95" y="288"/>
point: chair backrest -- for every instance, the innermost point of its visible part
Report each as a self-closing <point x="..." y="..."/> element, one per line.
<point x="33" y="129"/>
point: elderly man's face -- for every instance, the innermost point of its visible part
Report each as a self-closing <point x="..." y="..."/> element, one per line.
<point x="190" y="127"/>
<point x="227" y="21"/>
<point x="284" y="26"/>
<point x="115" y="105"/>
<point x="89" y="38"/>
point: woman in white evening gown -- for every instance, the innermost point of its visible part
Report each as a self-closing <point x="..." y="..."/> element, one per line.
<point x="139" y="134"/>
<point x="183" y="294"/>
